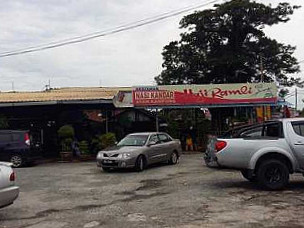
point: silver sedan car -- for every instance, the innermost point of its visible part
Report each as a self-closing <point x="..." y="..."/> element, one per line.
<point x="8" y="191"/>
<point x="138" y="150"/>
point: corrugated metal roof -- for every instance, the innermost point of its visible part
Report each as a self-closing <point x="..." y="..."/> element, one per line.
<point x="62" y="94"/>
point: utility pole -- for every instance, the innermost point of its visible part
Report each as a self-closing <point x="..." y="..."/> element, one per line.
<point x="296" y="99"/>
<point x="156" y="121"/>
<point x="262" y="80"/>
<point x="261" y="68"/>
<point x="107" y="123"/>
<point x="48" y="85"/>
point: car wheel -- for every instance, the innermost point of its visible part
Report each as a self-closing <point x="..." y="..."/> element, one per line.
<point x="16" y="160"/>
<point x="173" y="158"/>
<point x="106" y="169"/>
<point x="246" y="175"/>
<point x="140" y="164"/>
<point x="273" y="174"/>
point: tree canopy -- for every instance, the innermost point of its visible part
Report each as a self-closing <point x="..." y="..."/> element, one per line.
<point x="227" y="44"/>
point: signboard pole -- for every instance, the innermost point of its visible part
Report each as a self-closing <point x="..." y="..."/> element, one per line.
<point x="107" y="126"/>
<point x="296" y="99"/>
<point x="156" y="121"/>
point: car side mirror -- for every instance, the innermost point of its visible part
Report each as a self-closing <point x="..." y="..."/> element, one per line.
<point x="152" y="143"/>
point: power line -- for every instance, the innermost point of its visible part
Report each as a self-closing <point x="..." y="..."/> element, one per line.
<point x="129" y="26"/>
<point x="185" y="9"/>
<point x="289" y="95"/>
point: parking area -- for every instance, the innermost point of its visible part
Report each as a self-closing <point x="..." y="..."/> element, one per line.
<point x="185" y="195"/>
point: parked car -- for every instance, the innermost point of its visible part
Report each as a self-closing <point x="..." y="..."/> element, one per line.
<point x="8" y="191"/>
<point x="15" y="147"/>
<point x="139" y="150"/>
<point x="265" y="153"/>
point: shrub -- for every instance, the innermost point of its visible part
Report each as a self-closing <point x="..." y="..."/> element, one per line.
<point x="107" y="140"/>
<point x="84" y="147"/>
<point x="95" y="145"/>
<point x="100" y="142"/>
<point x="66" y="134"/>
<point x="66" y="131"/>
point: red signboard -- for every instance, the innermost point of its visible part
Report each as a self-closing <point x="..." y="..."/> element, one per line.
<point x="204" y="94"/>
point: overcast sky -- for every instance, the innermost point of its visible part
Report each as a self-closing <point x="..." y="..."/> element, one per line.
<point x="123" y="59"/>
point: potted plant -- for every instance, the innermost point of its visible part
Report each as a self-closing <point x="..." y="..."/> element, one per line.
<point x="66" y="135"/>
<point x="84" y="151"/>
<point x="100" y="142"/>
<point x="107" y="140"/>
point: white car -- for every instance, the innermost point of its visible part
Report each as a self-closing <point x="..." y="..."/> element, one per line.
<point x="8" y="191"/>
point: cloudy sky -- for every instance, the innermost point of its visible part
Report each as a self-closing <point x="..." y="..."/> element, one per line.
<point x="123" y="59"/>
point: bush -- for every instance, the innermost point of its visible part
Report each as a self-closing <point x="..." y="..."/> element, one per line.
<point x="66" y="131"/>
<point x="66" y="134"/>
<point x="100" y="142"/>
<point x="84" y="147"/>
<point x="95" y="145"/>
<point x="66" y="145"/>
<point x="107" y="140"/>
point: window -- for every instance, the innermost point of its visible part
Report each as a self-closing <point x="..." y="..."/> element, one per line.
<point x="298" y="127"/>
<point x="229" y="134"/>
<point x="154" y="138"/>
<point x="253" y="132"/>
<point x="238" y="131"/>
<point x="133" y="140"/>
<point x="5" y="138"/>
<point x="267" y="130"/>
<point x="272" y="130"/>
<point x="16" y="137"/>
<point x="164" y="138"/>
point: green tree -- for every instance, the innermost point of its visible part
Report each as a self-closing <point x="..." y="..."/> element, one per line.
<point x="227" y="44"/>
<point x="283" y="93"/>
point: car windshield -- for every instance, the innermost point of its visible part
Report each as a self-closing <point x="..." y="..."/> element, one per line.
<point x="133" y="140"/>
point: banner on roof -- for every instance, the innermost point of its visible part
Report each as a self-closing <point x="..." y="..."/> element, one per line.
<point x="123" y="99"/>
<point x="205" y="95"/>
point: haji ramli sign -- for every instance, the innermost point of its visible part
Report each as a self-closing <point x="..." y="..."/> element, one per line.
<point x="213" y="94"/>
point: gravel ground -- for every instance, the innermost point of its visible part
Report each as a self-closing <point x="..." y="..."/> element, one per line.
<point x="184" y="195"/>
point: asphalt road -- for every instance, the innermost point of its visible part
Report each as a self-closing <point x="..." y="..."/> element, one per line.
<point x="185" y="195"/>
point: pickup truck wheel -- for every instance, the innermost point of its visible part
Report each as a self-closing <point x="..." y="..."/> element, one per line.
<point x="16" y="160"/>
<point x="245" y="174"/>
<point x="273" y="174"/>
